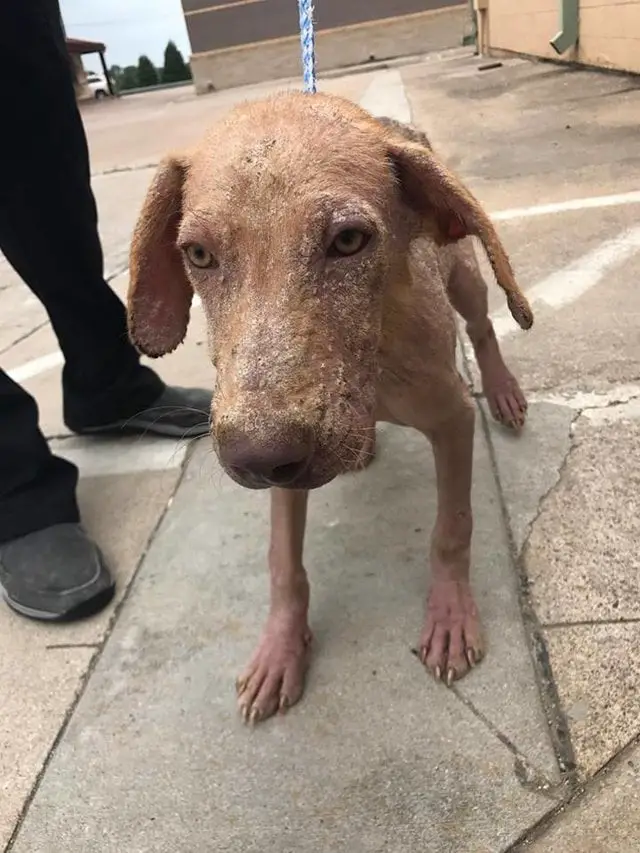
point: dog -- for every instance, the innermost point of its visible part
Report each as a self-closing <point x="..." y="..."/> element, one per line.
<point x="330" y="251"/>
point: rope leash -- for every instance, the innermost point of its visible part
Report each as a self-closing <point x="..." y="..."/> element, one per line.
<point x="308" y="44"/>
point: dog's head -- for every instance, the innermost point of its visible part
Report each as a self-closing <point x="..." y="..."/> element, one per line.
<point x="292" y="222"/>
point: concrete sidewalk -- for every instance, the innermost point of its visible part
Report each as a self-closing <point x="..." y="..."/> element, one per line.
<point x="122" y="734"/>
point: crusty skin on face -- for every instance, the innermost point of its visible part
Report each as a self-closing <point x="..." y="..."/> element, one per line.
<point x="319" y="241"/>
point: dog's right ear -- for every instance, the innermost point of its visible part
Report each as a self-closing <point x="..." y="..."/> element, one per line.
<point x="452" y="213"/>
<point x="159" y="297"/>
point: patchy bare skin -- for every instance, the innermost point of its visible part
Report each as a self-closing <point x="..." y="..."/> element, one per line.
<point x="467" y="292"/>
<point x="329" y="250"/>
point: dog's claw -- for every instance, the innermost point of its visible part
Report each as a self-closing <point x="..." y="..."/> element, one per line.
<point x="274" y="679"/>
<point x="451" y="642"/>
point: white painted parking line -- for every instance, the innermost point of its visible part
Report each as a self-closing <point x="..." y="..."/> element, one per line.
<point x="568" y="284"/>
<point x="103" y="457"/>
<point x="36" y="366"/>
<point x="591" y="203"/>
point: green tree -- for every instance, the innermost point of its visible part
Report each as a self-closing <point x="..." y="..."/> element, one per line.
<point x="175" y="68"/>
<point x="128" y="78"/>
<point x="115" y="73"/>
<point x="147" y="73"/>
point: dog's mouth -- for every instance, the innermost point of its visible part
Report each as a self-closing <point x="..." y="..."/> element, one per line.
<point x="280" y="451"/>
<point x="307" y="480"/>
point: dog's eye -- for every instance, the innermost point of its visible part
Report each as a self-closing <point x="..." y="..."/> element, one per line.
<point x="198" y="256"/>
<point x="349" y="242"/>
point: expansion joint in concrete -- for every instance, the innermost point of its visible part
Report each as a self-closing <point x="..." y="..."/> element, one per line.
<point x="116" y="170"/>
<point x="592" y="623"/>
<point x="556" y="719"/>
<point x="99" y="648"/>
<point x="527" y="775"/>
<point x="539" y="830"/>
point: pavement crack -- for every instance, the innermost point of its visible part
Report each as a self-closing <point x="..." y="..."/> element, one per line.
<point x="610" y="404"/>
<point x="527" y="775"/>
<point x="115" y="273"/>
<point x="573" y="446"/>
<point x="72" y="646"/>
<point x="618" y="394"/>
<point x="24" y="337"/>
<point x="109" y="277"/>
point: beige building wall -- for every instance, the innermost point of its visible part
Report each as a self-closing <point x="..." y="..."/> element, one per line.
<point x="609" y="31"/>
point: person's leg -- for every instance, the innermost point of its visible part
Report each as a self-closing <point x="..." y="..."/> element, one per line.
<point x="48" y="232"/>
<point x="49" y="569"/>
<point x="48" y="219"/>
<point x="37" y="489"/>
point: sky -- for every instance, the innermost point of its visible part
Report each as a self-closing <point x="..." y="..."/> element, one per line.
<point x="127" y="27"/>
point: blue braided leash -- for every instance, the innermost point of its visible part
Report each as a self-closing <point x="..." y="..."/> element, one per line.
<point x="308" y="43"/>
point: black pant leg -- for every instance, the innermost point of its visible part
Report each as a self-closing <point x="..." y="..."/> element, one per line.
<point x="37" y="489"/>
<point x="48" y="232"/>
<point x="48" y="219"/>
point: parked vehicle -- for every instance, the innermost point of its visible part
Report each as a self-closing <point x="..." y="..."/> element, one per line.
<point x="98" y="85"/>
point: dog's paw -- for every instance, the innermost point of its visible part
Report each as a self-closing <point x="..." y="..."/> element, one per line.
<point x="500" y="387"/>
<point x="274" y="680"/>
<point x="507" y="402"/>
<point x="451" y="643"/>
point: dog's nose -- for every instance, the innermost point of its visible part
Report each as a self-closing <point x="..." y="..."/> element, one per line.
<point x="279" y="462"/>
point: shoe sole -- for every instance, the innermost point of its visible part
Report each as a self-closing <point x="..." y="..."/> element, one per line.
<point x="81" y="611"/>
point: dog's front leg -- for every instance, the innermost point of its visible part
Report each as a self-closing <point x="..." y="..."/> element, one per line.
<point x="451" y="640"/>
<point x="274" y="679"/>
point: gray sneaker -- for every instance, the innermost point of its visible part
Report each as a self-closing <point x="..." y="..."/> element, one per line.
<point x="177" y="412"/>
<point x="57" y="574"/>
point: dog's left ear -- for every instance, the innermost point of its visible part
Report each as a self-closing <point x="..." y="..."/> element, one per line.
<point x="451" y="213"/>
